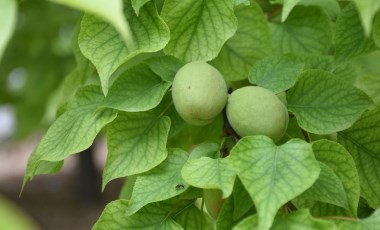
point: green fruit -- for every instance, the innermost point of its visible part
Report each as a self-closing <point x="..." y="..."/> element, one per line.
<point x="199" y="93"/>
<point x="213" y="201"/>
<point x="253" y="110"/>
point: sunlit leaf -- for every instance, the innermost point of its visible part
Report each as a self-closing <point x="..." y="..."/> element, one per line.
<point x="8" y="16"/>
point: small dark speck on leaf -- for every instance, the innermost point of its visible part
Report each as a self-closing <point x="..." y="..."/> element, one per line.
<point x="179" y="187"/>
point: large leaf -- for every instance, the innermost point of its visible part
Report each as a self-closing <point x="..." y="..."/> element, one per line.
<point x="161" y="183"/>
<point x="73" y="132"/>
<point x="153" y="216"/>
<point x="367" y="10"/>
<point x="250" y="43"/>
<point x="136" y="143"/>
<point x="137" y="89"/>
<point x="272" y="174"/>
<point x="276" y="73"/>
<point x="101" y="44"/>
<point x="8" y="16"/>
<point x="298" y="220"/>
<point x="198" y="29"/>
<point x="210" y="173"/>
<point x="371" y="222"/>
<point x="328" y="188"/>
<point x="324" y="103"/>
<point x="306" y="30"/>
<point x="111" y="12"/>
<point x="350" y="40"/>
<point x="362" y="141"/>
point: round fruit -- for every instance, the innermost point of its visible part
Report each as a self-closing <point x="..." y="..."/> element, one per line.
<point x="199" y="93"/>
<point x="253" y="110"/>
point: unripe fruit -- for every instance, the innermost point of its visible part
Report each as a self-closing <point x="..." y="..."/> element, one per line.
<point x="213" y="201"/>
<point x="253" y="110"/>
<point x="199" y="93"/>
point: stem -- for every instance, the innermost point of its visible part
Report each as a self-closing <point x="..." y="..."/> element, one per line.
<point x="306" y="135"/>
<point x="339" y="218"/>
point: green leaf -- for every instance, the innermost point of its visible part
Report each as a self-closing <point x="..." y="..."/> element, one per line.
<point x="328" y="188"/>
<point x="288" y="6"/>
<point x="331" y="7"/>
<point x="166" y="67"/>
<point x="250" y="43"/>
<point x="137" y="4"/>
<point x="367" y="10"/>
<point x="153" y="216"/>
<point x="350" y="39"/>
<point x="136" y="143"/>
<point x="225" y="220"/>
<point x="242" y="200"/>
<point x="370" y="84"/>
<point x="112" y="12"/>
<point x="8" y="16"/>
<point x="340" y="161"/>
<point x="193" y="218"/>
<point x="161" y="183"/>
<point x="272" y="174"/>
<point x="298" y="220"/>
<point x="324" y="103"/>
<point x="372" y="222"/>
<point x="276" y="73"/>
<point x="362" y="141"/>
<point x="376" y="30"/>
<point x="198" y="29"/>
<point x="100" y="43"/>
<point x="210" y="150"/>
<point x="137" y="89"/>
<point x="313" y="61"/>
<point x="306" y="30"/>
<point x="73" y="132"/>
<point x="210" y="173"/>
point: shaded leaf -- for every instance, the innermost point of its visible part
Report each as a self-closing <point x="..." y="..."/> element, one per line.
<point x="371" y="222"/>
<point x="193" y="218"/>
<point x="362" y="141"/>
<point x="250" y="43"/>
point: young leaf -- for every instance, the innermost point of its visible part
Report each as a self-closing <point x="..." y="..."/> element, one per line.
<point x="328" y="188"/>
<point x="210" y="173"/>
<point x="8" y="16"/>
<point x="198" y="29"/>
<point x="250" y="43"/>
<point x="340" y="161"/>
<point x="153" y="216"/>
<point x="161" y="183"/>
<point x="350" y="39"/>
<point x="111" y="12"/>
<point x="100" y="43"/>
<point x="372" y="222"/>
<point x="306" y="30"/>
<point x="300" y="219"/>
<point x="362" y="141"/>
<point x="272" y="174"/>
<point x="136" y="143"/>
<point x="324" y="103"/>
<point x="73" y="132"/>
<point x="276" y="73"/>
<point x="137" y="89"/>
<point x="367" y="10"/>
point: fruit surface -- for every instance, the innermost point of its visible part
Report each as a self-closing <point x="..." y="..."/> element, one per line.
<point x="253" y="110"/>
<point x="199" y="93"/>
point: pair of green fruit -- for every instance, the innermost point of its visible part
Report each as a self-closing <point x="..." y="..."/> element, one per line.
<point x="199" y="94"/>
